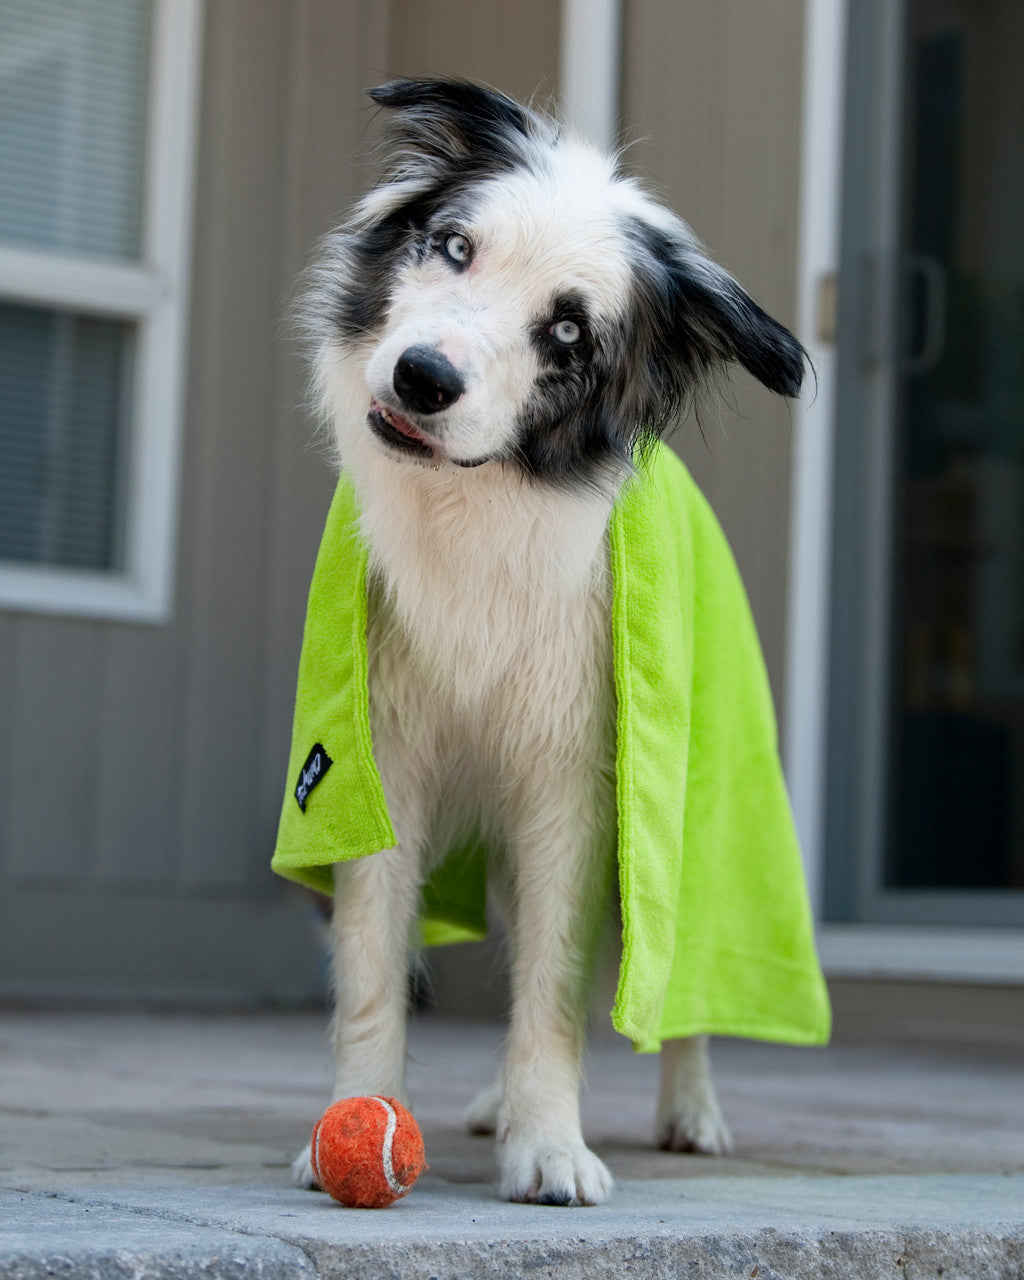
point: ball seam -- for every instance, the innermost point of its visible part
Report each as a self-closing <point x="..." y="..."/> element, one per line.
<point x="389" y="1137"/>
<point x="315" y="1153"/>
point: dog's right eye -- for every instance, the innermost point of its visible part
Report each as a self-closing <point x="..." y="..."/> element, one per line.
<point x="458" y="249"/>
<point x="567" y="332"/>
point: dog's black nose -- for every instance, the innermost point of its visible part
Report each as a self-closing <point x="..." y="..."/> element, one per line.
<point x="426" y="381"/>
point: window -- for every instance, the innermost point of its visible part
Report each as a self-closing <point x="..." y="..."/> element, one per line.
<point x="97" y="107"/>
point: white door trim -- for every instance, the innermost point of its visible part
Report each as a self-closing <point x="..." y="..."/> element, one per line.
<point x="804" y="748"/>
<point x="590" y="67"/>
<point x="922" y="953"/>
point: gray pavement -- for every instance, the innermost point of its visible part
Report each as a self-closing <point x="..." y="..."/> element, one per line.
<point x="148" y="1145"/>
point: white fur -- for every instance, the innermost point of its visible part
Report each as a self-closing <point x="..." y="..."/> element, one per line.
<point x="491" y="690"/>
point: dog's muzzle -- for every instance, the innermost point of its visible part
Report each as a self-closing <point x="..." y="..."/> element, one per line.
<point x="426" y="381"/>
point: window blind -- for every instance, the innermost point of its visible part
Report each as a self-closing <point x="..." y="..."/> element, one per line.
<point x="65" y="390"/>
<point x="73" y="103"/>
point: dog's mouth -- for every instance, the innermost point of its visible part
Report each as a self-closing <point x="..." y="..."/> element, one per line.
<point x="389" y="425"/>
<point x="399" y="432"/>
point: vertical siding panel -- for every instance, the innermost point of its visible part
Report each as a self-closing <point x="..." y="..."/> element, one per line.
<point x="52" y="776"/>
<point x="527" y="47"/>
<point x="717" y="88"/>
<point x="751" y="503"/>
<point x="137" y="743"/>
<point x="8" y="746"/>
<point x="232" y="351"/>
<point x="513" y="47"/>
<point x="673" y="92"/>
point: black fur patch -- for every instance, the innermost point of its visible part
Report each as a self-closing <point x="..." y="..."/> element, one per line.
<point x="559" y="355"/>
<point x="358" y="292"/>
<point x="570" y="431"/>
<point x="456" y="128"/>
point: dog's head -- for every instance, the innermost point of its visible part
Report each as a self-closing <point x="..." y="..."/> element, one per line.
<point x="506" y="294"/>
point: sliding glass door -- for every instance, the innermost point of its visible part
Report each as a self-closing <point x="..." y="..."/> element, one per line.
<point x="926" y="789"/>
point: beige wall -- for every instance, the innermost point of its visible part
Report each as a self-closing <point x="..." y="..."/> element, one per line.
<point x="711" y="103"/>
<point x="986" y="1019"/>
<point x="513" y="47"/>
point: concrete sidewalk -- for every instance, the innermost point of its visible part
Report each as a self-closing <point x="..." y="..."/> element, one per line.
<point x="144" y="1145"/>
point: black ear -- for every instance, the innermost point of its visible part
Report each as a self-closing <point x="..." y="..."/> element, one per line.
<point x="713" y="310"/>
<point x="472" y="107"/>
<point x="456" y="126"/>
<point x="700" y="318"/>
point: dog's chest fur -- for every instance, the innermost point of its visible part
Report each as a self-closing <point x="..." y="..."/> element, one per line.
<point x="490" y="630"/>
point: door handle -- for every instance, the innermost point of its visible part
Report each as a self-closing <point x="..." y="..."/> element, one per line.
<point x="923" y="268"/>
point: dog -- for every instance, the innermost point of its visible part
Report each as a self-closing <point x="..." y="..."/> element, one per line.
<point x="500" y="332"/>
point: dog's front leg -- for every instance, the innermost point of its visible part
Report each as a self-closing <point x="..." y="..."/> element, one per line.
<point x="560" y="876"/>
<point x="375" y="904"/>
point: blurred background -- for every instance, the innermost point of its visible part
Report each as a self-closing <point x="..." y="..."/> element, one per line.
<point x="166" y="169"/>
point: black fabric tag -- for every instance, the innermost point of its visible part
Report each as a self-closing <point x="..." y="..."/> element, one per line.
<point x="317" y="764"/>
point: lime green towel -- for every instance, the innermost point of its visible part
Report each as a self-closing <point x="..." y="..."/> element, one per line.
<point x="716" y="929"/>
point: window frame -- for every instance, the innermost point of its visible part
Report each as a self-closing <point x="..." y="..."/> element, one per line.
<point x="152" y="293"/>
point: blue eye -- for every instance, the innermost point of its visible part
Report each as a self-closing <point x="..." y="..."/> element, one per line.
<point x="458" y="248"/>
<point x="566" y="332"/>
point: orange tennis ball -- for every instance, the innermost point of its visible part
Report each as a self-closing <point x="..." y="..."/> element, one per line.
<point x="366" y="1152"/>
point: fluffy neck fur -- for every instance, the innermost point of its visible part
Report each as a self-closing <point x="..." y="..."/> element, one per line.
<point x="477" y="565"/>
<point x="468" y="560"/>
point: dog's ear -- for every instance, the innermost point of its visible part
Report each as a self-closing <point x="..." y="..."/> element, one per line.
<point x="453" y="128"/>
<point x="715" y="313"/>
<point x="706" y="319"/>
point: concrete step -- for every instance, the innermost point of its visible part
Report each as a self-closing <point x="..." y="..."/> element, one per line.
<point x="151" y="1146"/>
<point x="957" y="1227"/>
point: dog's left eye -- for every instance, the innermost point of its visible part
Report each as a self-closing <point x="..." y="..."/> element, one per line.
<point x="565" y="331"/>
<point x="458" y="248"/>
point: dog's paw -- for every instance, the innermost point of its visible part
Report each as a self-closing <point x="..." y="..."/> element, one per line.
<point x="692" y="1125"/>
<point x="549" y="1172"/>
<point x="482" y="1112"/>
<point x="302" y="1171"/>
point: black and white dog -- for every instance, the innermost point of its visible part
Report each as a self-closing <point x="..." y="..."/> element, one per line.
<point x="503" y="323"/>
